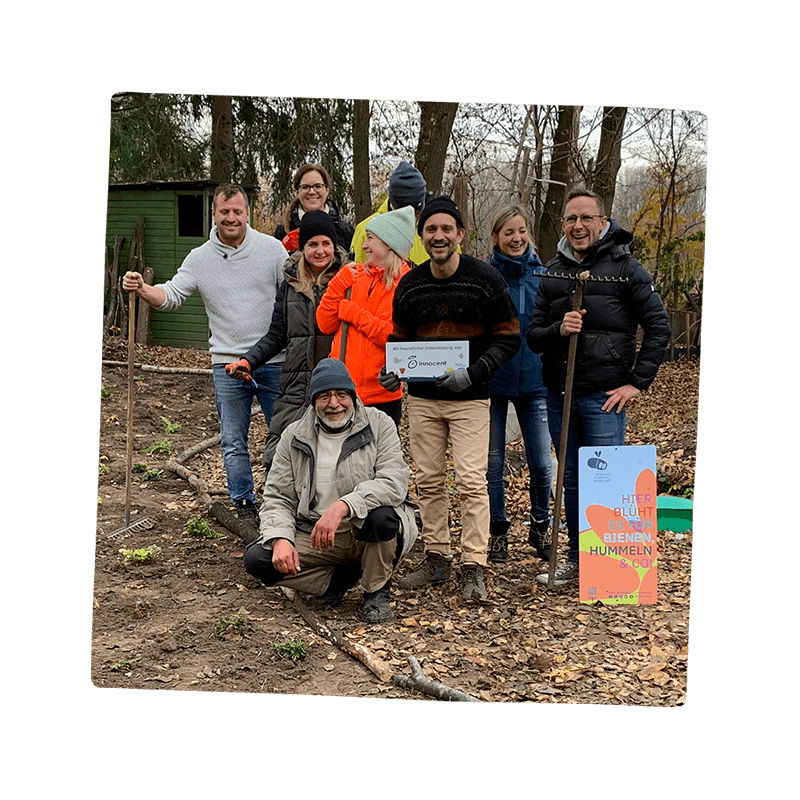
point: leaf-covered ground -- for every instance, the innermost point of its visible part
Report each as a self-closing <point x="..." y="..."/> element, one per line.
<point x="194" y="620"/>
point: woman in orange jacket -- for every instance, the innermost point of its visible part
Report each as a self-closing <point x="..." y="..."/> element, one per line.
<point x="357" y="307"/>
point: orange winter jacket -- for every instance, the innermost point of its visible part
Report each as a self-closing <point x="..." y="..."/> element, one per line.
<point x="369" y="314"/>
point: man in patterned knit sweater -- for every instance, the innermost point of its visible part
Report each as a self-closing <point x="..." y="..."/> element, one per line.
<point x="452" y="297"/>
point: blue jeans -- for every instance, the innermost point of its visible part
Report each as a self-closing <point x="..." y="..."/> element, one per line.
<point x="588" y="426"/>
<point x="234" y="402"/>
<point x="532" y="416"/>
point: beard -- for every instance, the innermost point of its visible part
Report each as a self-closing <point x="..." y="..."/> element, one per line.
<point x="338" y="423"/>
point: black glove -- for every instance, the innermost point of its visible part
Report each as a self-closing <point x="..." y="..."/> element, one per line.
<point x="389" y="380"/>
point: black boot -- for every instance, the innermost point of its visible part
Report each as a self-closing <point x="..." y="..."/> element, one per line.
<point x="343" y="579"/>
<point x="498" y="540"/>
<point x="539" y="538"/>
<point x="376" y="606"/>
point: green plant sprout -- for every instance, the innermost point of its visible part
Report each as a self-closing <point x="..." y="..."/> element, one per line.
<point x="170" y="427"/>
<point x="106" y="394"/>
<point x="121" y="665"/>
<point x="161" y="446"/>
<point x="197" y="526"/>
<point x="224" y="625"/>
<point x="294" y="651"/>
<point x="139" y="468"/>
<point x="151" y="475"/>
<point x="143" y="555"/>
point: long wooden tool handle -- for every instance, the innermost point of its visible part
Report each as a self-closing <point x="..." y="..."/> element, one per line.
<point x="129" y="434"/>
<point x="577" y="298"/>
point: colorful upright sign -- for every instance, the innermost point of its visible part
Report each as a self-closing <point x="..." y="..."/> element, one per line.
<point x="618" y="524"/>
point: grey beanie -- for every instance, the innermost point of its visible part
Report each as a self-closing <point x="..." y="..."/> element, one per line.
<point x="329" y="375"/>
<point x="396" y="229"/>
<point x="407" y="187"/>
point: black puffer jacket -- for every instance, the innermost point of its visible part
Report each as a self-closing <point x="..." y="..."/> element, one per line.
<point x="294" y="326"/>
<point x="606" y="357"/>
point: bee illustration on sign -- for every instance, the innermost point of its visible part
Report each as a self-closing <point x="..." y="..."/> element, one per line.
<point x="597" y="463"/>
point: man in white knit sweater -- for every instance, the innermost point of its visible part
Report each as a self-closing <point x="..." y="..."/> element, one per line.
<point x="237" y="273"/>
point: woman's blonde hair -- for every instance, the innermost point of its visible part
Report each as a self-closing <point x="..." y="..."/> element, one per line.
<point x="394" y="264"/>
<point x="503" y="215"/>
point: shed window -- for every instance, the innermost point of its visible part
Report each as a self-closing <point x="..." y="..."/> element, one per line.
<point x="190" y="215"/>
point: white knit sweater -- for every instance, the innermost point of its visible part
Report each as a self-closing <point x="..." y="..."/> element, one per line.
<point x="238" y="286"/>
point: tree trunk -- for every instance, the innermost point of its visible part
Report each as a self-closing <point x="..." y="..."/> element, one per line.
<point x="436" y="124"/>
<point x="361" y="193"/>
<point x="609" y="154"/>
<point x="222" y="138"/>
<point x="550" y="224"/>
<point x="461" y="199"/>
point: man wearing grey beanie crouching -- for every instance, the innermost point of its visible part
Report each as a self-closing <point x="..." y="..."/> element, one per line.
<point x="334" y="509"/>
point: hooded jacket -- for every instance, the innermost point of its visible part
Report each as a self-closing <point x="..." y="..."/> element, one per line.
<point x="368" y="313"/>
<point x="522" y="375"/>
<point x="606" y="356"/>
<point x="371" y="472"/>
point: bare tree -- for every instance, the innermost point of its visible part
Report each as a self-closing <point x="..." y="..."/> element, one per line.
<point x="222" y="149"/>
<point x="560" y="170"/>
<point x="609" y="154"/>
<point x="361" y="183"/>
<point x="436" y="123"/>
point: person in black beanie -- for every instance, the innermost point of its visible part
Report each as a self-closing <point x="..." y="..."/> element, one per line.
<point x="452" y="296"/>
<point x="294" y="327"/>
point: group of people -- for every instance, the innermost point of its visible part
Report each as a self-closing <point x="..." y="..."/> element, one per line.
<point x="301" y="319"/>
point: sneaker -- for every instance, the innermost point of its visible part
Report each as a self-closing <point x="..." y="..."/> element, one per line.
<point x="539" y="539"/>
<point x="472" y="585"/>
<point x="343" y="579"/>
<point x="248" y="513"/>
<point x="376" y="606"/>
<point x="566" y="573"/>
<point x="435" y="568"/>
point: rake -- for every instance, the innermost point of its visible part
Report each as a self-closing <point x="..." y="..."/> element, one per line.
<point x="580" y="279"/>
<point x="143" y="523"/>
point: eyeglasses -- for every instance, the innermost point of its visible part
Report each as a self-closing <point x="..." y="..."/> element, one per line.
<point x="306" y="187"/>
<point x="572" y="219"/>
<point x="325" y="397"/>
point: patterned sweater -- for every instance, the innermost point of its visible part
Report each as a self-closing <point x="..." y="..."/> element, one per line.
<point x="472" y="304"/>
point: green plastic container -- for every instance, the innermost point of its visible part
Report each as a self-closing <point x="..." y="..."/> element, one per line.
<point x="674" y="513"/>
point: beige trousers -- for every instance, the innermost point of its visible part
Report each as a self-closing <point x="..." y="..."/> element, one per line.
<point x="316" y="568"/>
<point x="465" y="423"/>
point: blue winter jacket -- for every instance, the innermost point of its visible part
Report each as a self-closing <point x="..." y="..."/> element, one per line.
<point x="522" y="375"/>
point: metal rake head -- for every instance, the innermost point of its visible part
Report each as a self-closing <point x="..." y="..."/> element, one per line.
<point x="142" y="524"/>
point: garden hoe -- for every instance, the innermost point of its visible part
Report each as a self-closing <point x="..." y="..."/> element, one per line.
<point x="577" y="298"/>
<point x="144" y="523"/>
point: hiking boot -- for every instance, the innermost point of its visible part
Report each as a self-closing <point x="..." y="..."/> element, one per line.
<point x="435" y="568"/>
<point x="539" y="538"/>
<point x="376" y="606"/>
<point x="472" y="585"/>
<point x="248" y="513"/>
<point x="566" y="573"/>
<point x="343" y="579"/>
<point x="498" y="540"/>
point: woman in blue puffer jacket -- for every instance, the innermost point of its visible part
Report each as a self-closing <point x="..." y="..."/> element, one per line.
<point x="519" y="382"/>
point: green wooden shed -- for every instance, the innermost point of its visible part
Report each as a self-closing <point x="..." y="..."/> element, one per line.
<point x="177" y="219"/>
